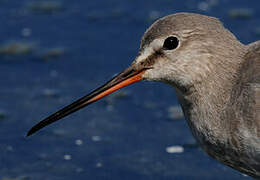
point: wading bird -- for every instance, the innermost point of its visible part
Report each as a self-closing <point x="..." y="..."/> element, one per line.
<point x="216" y="78"/>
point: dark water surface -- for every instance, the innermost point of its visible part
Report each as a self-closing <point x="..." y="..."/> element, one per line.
<point x="53" y="52"/>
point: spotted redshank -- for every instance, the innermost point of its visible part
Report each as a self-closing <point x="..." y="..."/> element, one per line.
<point x="216" y="78"/>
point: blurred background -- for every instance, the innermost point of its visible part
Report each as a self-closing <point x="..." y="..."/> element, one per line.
<point x="53" y="52"/>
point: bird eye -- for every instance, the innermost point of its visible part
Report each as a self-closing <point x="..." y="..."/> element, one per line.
<point x="170" y="43"/>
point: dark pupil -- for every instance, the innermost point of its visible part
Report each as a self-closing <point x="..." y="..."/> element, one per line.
<point x="171" y="43"/>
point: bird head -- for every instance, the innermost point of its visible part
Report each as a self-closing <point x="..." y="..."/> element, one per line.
<point x="176" y="49"/>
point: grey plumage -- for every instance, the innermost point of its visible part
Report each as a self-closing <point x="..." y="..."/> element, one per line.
<point x="217" y="80"/>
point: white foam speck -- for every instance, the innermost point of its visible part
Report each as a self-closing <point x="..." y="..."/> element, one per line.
<point x="175" y="149"/>
<point x="79" y="142"/>
<point x="67" y="157"/>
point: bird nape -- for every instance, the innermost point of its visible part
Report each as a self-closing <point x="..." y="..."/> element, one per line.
<point x="216" y="78"/>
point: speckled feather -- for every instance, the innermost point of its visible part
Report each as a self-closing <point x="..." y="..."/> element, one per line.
<point x="217" y="81"/>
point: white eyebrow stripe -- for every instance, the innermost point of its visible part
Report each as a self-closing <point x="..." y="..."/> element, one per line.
<point x="149" y="50"/>
<point x="145" y="54"/>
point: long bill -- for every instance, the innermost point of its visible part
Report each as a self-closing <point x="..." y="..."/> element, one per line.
<point x="127" y="77"/>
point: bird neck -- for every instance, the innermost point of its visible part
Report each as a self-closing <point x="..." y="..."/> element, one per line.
<point x="204" y="103"/>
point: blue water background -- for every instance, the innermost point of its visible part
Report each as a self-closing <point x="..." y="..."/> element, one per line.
<point x="120" y="137"/>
